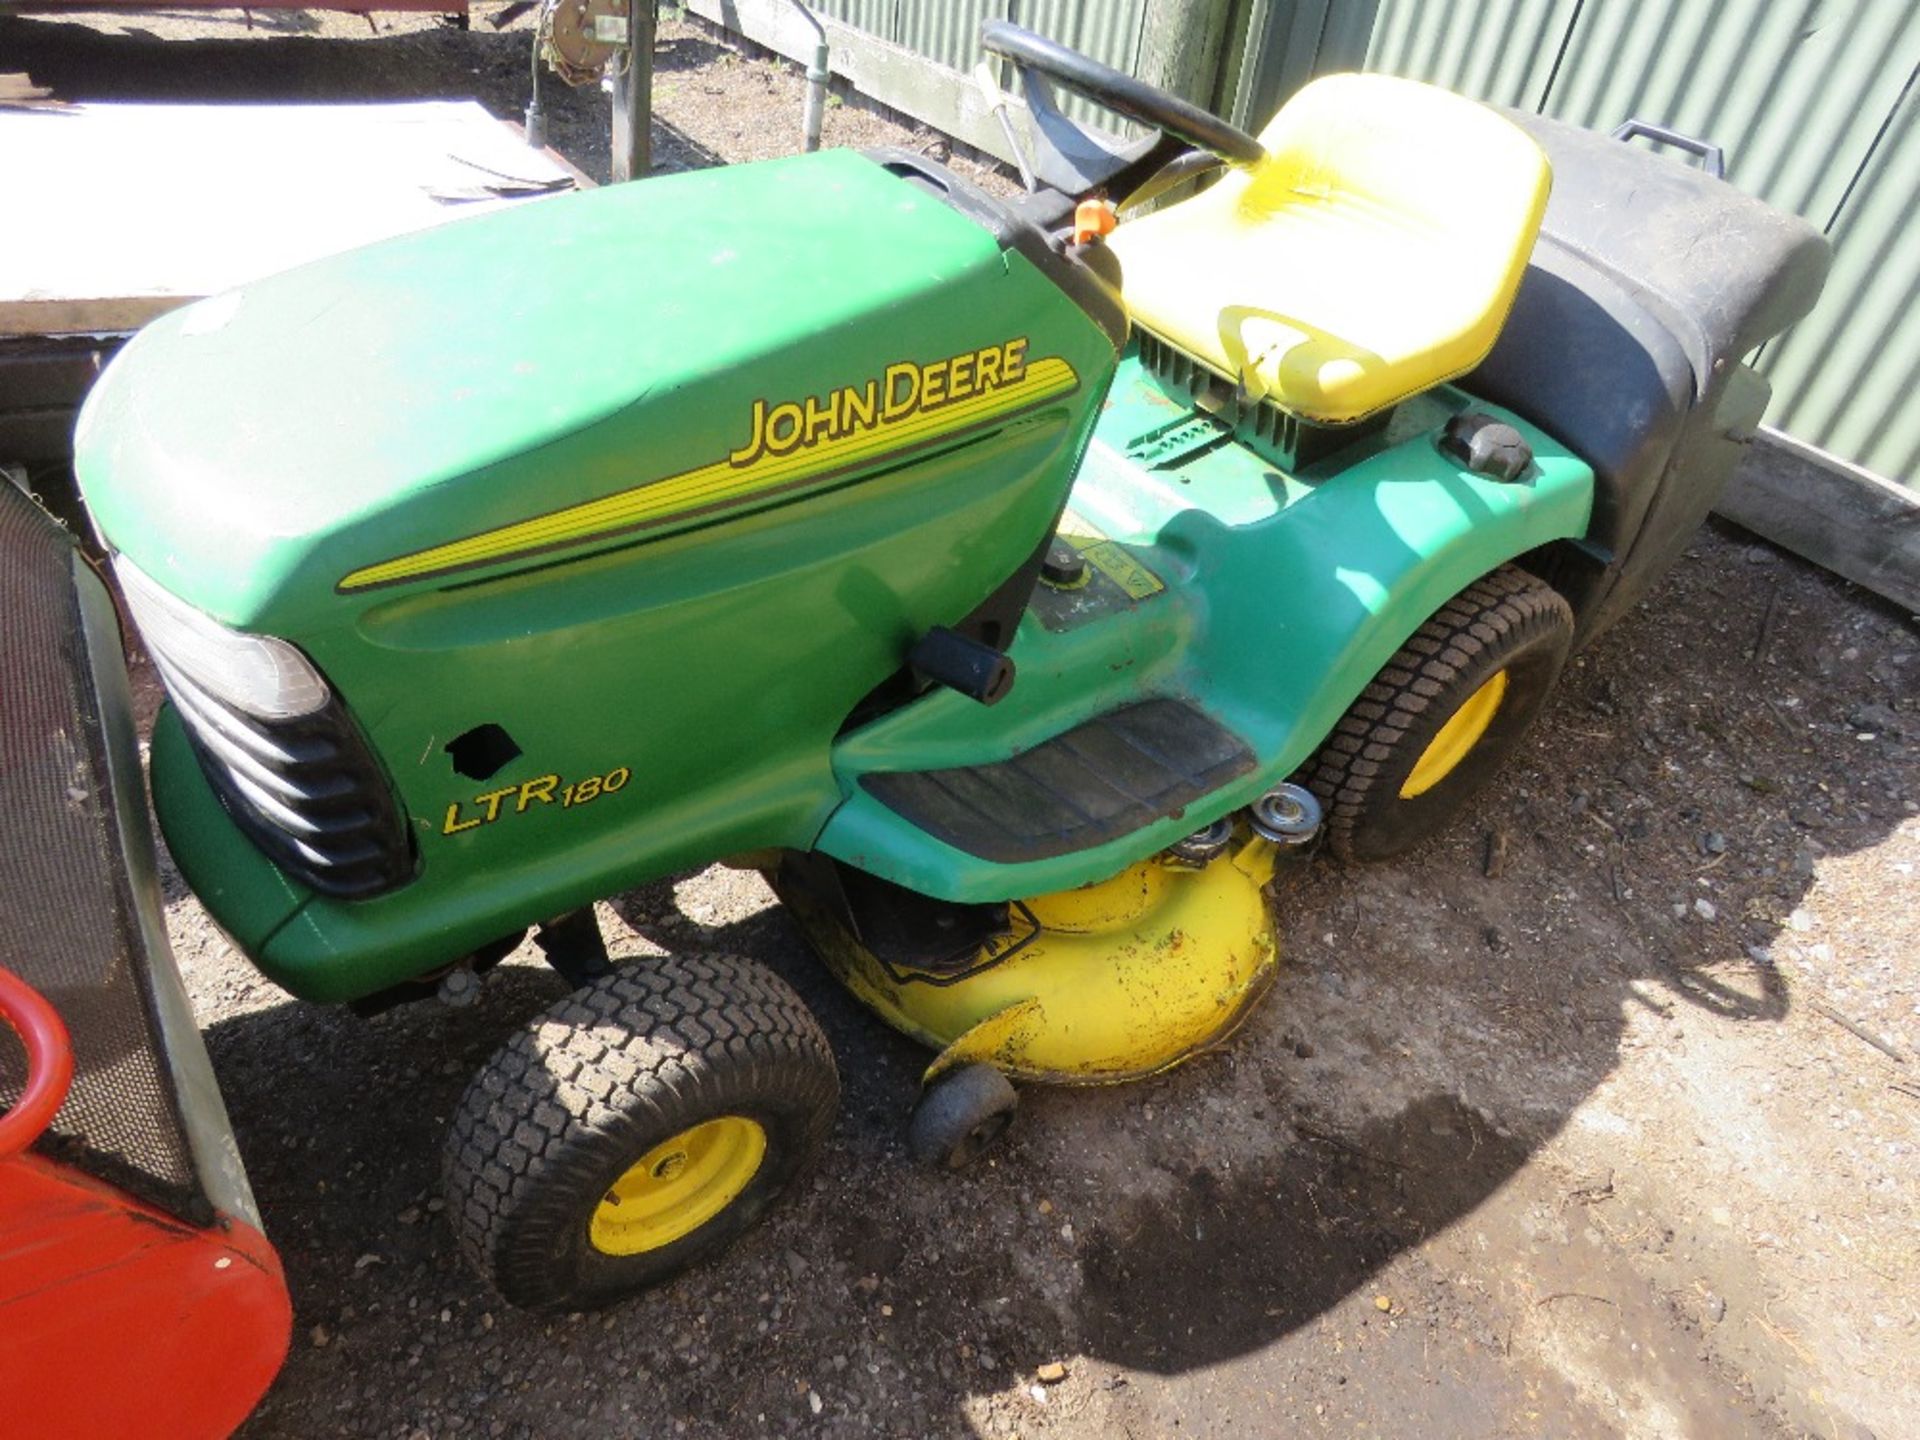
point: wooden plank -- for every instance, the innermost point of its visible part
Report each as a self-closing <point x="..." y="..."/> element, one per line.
<point x="42" y="382"/>
<point x="36" y="435"/>
<point x="632" y="85"/>
<point x="1849" y="520"/>
<point x="518" y="130"/>
<point x="50" y="374"/>
<point x="120" y="212"/>
<point x="352" y="7"/>
<point x="928" y="91"/>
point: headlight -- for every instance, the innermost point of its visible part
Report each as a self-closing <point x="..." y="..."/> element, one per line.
<point x="265" y="677"/>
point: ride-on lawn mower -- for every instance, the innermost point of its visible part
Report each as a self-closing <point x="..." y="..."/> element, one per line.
<point x="1008" y="586"/>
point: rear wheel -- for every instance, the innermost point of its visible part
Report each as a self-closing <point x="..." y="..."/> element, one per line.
<point x="638" y="1126"/>
<point x="1442" y="716"/>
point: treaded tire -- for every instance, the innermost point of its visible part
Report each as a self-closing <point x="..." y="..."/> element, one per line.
<point x="1507" y="620"/>
<point x="961" y="1116"/>
<point x="586" y="1089"/>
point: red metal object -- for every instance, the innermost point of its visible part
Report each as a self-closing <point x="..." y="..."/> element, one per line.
<point x="116" y="1318"/>
<point x="49" y="1063"/>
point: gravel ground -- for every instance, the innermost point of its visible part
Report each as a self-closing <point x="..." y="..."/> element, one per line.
<point x="1554" y="1129"/>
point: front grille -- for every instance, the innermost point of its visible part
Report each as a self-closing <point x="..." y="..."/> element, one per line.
<point x="308" y="791"/>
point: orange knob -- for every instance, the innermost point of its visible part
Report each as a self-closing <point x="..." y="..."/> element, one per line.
<point x="1092" y="220"/>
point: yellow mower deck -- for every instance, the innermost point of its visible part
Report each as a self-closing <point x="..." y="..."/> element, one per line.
<point x="1097" y="985"/>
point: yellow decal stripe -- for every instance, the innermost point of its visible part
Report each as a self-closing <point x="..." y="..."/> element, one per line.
<point x="659" y="501"/>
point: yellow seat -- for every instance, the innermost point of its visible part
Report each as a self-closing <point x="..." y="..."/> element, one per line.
<point x="1372" y="254"/>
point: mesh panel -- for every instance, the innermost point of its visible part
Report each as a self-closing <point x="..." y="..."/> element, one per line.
<point x="66" y="923"/>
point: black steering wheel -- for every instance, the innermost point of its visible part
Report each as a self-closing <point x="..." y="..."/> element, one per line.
<point x="1121" y="93"/>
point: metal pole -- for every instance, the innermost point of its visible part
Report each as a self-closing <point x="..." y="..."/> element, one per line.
<point x="633" y="96"/>
<point x="818" y="74"/>
<point x="536" y="114"/>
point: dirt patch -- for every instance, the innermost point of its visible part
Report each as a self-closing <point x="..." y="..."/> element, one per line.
<point x="1579" y="1147"/>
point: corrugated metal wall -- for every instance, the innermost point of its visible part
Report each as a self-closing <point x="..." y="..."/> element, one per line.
<point x="1814" y="103"/>
<point x="1502" y="51"/>
<point x="1849" y="379"/>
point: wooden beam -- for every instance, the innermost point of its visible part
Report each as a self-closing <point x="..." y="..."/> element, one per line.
<point x="930" y="92"/>
<point x="1181" y="43"/>
<point x="632" y="139"/>
<point x="1851" y="521"/>
<point x="42" y="382"/>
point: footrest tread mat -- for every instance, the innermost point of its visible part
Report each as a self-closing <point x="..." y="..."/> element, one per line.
<point x="1105" y="778"/>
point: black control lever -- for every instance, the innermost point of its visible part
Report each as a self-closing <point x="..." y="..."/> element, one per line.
<point x="977" y="671"/>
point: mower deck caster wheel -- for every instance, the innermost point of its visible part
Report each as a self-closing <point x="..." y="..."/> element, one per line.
<point x="960" y="1117"/>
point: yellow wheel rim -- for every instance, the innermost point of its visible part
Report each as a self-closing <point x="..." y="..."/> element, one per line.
<point x="678" y="1186"/>
<point x="1457" y="737"/>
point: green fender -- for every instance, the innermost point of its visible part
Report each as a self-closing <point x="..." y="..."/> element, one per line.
<point x="1283" y="597"/>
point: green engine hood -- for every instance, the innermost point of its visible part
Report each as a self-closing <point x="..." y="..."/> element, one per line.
<point x="252" y="450"/>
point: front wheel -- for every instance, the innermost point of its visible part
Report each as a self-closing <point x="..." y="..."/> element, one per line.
<point x="640" y="1125"/>
<point x="1442" y="716"/>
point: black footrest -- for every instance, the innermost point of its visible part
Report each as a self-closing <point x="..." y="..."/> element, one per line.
<point x="1108" y="777"/>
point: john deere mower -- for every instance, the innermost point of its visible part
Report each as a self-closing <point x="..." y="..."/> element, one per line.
<point x="1010" y="585"/>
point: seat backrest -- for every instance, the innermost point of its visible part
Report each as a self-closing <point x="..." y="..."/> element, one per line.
<point x="1452" y="170"/>
<point x="1371" y="254"/>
